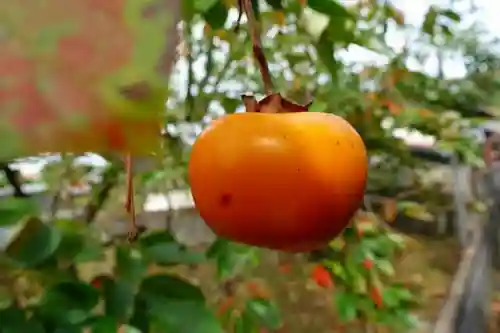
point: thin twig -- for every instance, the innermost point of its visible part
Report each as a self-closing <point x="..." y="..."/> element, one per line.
<point x="130" y="200"/>
<point x="260" y="58"/>
<point x="109" y="181"/>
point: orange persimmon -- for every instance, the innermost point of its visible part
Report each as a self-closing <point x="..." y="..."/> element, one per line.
<point x="277" y="176"/>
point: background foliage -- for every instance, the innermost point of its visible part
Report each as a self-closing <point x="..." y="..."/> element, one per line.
<point x="44" y="285"/>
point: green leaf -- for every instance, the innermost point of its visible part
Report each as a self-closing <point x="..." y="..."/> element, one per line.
<point x="204" y="5"/>
<point x="69" y="302"/>
<point x="329" y="7"/>
<point x="256" y="9"/>
<point x="119" y="298"/>
<point x="103" y="324"/>
<point x="230" y="104"/>
<point x="337" y="269"/>
<point x="92" y="250"/>
<point x="31" y="325"/>
<point x="131" y="329"/>
<point x="394" y="296"/>
<point x="430" y="21"/>
<point x="265" y="312"/>
<point x="345" y="303"/>
<point x="177" y="306"/>
<point x="12" y="210"/>
<point x="11" y="317"/>
<point x="452" y="15"/>
<point x="275" y="4"/>
<point x="407" y="320"/>
<point x="326" y="49"/>
<point x="231" y="258"/>
<point x="385" y="266"/>
<point x="131" y="265"/>
<point x="140" y="318"/>
<point x="162" y="249"/>
<point x="167" y="286"/>
<point x="318" y="106"/>
<point x="35" y="242"/>
<point x="216" y="15"/>
<point x="184" y="317"/>
<point x="244" y="324"/>
<point x="72" y="239"/>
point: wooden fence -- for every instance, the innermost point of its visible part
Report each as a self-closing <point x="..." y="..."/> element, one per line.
<point x="467" y="308"/>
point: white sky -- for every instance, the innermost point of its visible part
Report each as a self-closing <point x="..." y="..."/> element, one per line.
<point x="414" y="10"/>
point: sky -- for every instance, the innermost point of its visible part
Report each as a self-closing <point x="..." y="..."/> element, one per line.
<point x="414" y="11"/>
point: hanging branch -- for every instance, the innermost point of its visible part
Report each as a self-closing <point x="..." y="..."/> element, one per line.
<point x="245" y="6"/>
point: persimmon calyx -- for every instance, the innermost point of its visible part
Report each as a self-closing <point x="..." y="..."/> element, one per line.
<point x="273" y="103"/>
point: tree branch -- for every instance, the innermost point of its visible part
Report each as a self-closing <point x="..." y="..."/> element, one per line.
<point x="101" y="194"/>
<point x="13" y="178"/>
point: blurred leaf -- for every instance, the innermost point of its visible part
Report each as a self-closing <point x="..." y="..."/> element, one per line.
<point x="244" y="323"/>
<point x="231" y="258"/>
<point x="69" y="302"/>
<point x="12" y="210"/>
<point x="452" y="15"/>
<point x="177" y="306"/>
<point x="415" y="210"/>
<point x="394" y="13"/>
<point x="34" y="243"/>
<point x="140" y="318"/>
<point x="92" y="250"/>
<point x="130" y="329"/>
<point x="256" y="9"/>
<point x="216" y="15"/>
<point x="103" y="324"/>
<point x="162" y="249"/>
<point x="385" y="266"/>
<point x="275" y="4"/>
<point x="204" y="5"/>
<point x="430" y="21"/>
<point x="230" y="104"/>
<point x="265" y="312"/>
<point x="171" y="287"/>
<point x="329" y="7"/>
<point x="345" y="304"/>
<point x="318" y="106"/>
<point x="119" y="299"/>
<point x="72" y="239"/>
<point x="131" y="265"/>
<point x="134" y="60"/>
<point x="326" y="50"/>
<point x="398" y="240"/>
<point x="31" y="325"/>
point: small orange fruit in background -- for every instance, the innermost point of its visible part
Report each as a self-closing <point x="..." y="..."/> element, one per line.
<point x="278" y="177"/>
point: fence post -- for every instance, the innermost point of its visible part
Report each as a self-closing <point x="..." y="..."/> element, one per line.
<point x="461" y="194"/>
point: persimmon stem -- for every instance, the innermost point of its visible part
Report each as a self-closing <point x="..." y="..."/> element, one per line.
<point x="129" y="201"/>
<point x="260" y="58"/>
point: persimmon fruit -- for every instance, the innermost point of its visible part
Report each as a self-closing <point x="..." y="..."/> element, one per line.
<point x="277" y="176"/>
